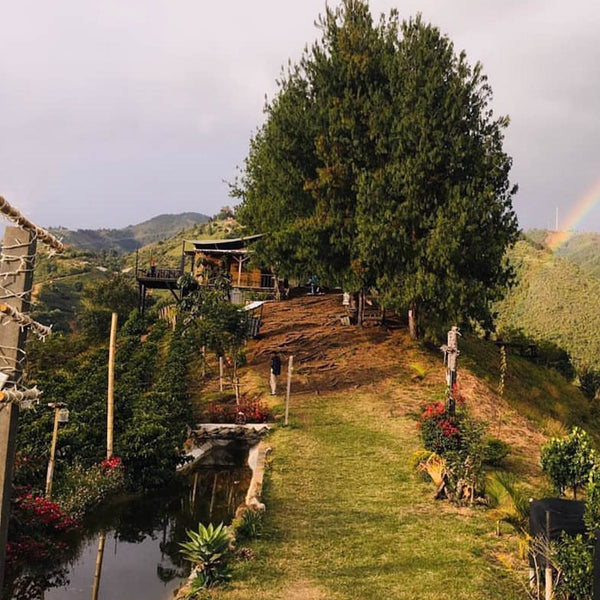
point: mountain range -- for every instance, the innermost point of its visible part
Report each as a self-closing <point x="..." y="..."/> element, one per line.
<point x="132" y="237"/>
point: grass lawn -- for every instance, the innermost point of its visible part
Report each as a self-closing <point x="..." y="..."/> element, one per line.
<point x="348" y="518"/>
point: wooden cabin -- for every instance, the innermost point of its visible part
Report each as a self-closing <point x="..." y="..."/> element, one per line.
<point x="212" y="257"/>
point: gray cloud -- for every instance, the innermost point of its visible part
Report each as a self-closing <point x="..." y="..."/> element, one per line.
<point x="111" y="112"/>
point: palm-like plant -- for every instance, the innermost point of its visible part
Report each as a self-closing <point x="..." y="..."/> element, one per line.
<point x="508" y="501"/>
<point x="209" y="549"/>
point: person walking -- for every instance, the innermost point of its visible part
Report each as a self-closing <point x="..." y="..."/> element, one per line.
<point x="275" y="372"/>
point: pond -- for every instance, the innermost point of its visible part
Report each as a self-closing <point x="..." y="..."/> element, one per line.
<point x="135" y="541"/>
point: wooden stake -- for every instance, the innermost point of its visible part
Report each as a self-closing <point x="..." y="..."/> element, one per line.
<point x="111" y="381"/>
<point x="220" y="373"/>
<point x="194" y="491"/>
<point x="50" y="472"/>
<point x="548" y="567"/>
<point x="213" y="496"/>
<point x="289" y="388"/>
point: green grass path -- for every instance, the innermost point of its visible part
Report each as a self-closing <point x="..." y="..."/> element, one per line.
<point x="348" y="519"/>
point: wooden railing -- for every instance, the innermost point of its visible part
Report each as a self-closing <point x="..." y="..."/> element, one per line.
<point x="253" y="280"/>
<point x="156" y="273"/>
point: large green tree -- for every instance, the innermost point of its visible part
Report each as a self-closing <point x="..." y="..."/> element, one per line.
<point x="381" y="164"/>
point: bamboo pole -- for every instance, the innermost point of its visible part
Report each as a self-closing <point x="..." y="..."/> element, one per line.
<point x="50" y="471"/>
<point x="98" y="570"/>
<point x="289" y="388"/>
<point x="111" y="381"/>
<point x="220" y="373"/>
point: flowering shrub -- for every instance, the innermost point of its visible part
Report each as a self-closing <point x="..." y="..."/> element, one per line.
<point x="38" y="528"/>
<point x="254" y="411"/>
<point x="457" y="439"/>
<point x="440" y="431"/>
<point x="82" y="489"/>
<point x="114" y="462"/>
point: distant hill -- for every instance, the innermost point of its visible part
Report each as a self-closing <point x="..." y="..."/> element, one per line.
<point x="131" y="237"/>
<point x="555" y="299"/>
<point x="583" y="249"/>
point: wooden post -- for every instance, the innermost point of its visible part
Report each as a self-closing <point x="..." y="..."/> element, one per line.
<point x="98" y="570"/>
<point x="182" y="257"/>
<point x="548" y="567"/>
<point x="289" y="388"/>
<point x="111" y="381"/>
<point x="213" y="496"/>
<point x="194" y="490"/>
<point x="220" y="373"/>
<point x="21" y="247"/>
<point x="50" y="472"/>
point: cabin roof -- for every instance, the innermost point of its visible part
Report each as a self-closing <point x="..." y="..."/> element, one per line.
<point x="237" y="244"/>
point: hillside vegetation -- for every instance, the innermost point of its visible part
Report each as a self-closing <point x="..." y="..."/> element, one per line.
<point x="554" y="300"/>
<point x="60" y="280"/>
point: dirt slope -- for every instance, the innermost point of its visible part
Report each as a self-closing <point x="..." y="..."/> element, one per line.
<point x="331" y="358"/>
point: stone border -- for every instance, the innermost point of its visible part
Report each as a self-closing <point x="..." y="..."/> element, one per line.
<point x="256" y="461"/>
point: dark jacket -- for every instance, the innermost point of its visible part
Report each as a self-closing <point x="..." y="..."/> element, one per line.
<point x="276" y="365"/>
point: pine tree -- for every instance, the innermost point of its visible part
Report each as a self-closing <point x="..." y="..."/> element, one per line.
<point x="381" y="164"/>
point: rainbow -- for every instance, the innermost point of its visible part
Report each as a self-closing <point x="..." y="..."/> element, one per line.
<point x="574" y="218"/>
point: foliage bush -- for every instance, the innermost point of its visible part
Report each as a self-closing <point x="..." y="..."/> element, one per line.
<point x="152" y="445"/>
<point x="494" y="451"/>
<point x="574" y="555"/>
<point x="589" y="382"/>
<point x="249" y="525"/>
<point x="568" y="461"/>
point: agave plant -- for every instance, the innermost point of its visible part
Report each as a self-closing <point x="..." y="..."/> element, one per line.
<point x="209" y="549"/>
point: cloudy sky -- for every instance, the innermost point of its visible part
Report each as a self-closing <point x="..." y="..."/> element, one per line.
<point x="113" y="112"/>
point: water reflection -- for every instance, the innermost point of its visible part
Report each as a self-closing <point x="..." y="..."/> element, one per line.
<point x="130" y="549"/>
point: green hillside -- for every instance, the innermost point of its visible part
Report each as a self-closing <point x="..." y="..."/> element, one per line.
<point x="131" y="237"/>
<point x="583" y="249"/>
<point x="554" y="300"/>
